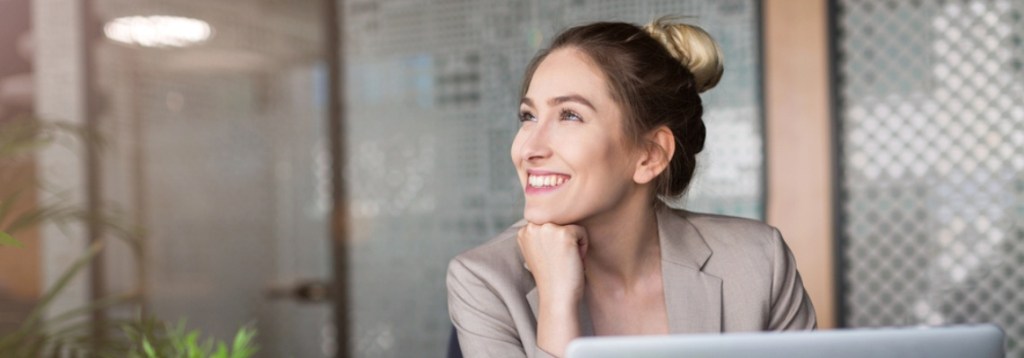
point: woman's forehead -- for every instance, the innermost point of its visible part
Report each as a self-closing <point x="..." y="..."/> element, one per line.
<point x="568" y="72"/>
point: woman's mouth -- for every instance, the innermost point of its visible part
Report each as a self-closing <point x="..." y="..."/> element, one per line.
<point x="536" y="182"/>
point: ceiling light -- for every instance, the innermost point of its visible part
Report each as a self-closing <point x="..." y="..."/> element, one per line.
<point x="158" y="31"/>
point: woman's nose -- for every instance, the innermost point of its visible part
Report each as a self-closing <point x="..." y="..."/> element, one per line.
<point x="537" y="145"/>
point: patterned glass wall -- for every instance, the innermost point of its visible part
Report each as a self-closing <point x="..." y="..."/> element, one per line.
<point x="933" y="177"/>
<point x="432" y="102"/>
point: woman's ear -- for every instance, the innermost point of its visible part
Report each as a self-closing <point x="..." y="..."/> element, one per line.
<point x="655" y="155"/>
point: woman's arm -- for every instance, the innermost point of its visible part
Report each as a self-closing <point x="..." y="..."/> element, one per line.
<point x="554" y="254"/>
<point x="791" y="308"/>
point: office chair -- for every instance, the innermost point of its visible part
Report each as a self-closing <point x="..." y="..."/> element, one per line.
<point x="453" y="345"/>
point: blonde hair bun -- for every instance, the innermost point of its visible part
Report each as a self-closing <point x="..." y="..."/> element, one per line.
<point x="693" y="47"/>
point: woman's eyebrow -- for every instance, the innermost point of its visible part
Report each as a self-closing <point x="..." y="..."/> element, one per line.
<point x="572" y="98"/>
<point x="561" y="99"/>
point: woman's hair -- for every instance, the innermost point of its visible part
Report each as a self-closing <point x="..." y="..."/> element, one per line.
<point x="655" y="74"/>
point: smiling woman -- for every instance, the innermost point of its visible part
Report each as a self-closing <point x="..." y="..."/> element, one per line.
<point x="611" y="126"/>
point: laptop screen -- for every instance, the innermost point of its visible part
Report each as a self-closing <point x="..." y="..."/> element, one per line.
<point x="982" y="341"/>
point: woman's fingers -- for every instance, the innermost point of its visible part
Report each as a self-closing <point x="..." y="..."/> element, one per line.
<point x="552" y="239"/>
<point x="583" y="245"/>
<point x="582" y="242"/>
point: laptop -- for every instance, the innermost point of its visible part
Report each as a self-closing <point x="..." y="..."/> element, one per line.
<point x="981" y="341"/>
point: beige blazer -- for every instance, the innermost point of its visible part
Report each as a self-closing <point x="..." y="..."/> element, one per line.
<point x="720" y="274"/>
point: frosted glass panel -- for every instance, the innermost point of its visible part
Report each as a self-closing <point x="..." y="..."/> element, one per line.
<point x="219" y="150"/>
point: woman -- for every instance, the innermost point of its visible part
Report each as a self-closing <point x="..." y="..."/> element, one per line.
<point x="611" y="123"/>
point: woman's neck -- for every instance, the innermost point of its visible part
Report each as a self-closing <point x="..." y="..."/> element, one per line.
<point x="623" y="244"/>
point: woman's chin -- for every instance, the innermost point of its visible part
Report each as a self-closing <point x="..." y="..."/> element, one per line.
<point x="542" y="216"/>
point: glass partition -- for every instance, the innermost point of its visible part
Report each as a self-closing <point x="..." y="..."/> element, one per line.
<point x="215" y="117"/>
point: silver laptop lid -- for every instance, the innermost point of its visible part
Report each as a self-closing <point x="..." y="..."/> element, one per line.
<point x="982" y="341"/>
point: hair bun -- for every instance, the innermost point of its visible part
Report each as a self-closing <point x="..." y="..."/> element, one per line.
<point x="693" y="47"/>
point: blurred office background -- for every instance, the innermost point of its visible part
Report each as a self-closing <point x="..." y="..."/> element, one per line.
<point x="309" y="167"/>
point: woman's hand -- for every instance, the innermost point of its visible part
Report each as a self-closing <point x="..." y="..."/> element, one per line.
<point x="554" y="254"/>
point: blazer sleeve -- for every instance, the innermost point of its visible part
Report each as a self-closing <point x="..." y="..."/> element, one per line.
<point x="484" y="324"/>
<point x="791" y="308"/>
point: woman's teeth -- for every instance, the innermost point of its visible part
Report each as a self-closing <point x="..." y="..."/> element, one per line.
<point x="543" y="181"/>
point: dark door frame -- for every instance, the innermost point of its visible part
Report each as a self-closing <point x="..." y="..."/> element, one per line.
<point x="334" y="47"/>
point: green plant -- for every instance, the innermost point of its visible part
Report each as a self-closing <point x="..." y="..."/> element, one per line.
<point x="8" y="240"/>
<point x="72" y="333"/>
<point x="65" y="332"/>
<point x="20" y="139"/>
<point x="153" y="339"/>
<point x="5" y="238"/>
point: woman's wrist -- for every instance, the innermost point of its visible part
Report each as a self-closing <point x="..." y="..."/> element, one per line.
<point x="561" y="307"/>
<point x="557" y="325"/>
<point x="559" y="295"/>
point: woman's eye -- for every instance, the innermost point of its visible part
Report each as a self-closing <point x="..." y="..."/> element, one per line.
<point x="568" y="115"/>
<point x="527" y="117"/>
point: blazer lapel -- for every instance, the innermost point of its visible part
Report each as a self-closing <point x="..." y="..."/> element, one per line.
<point x="693" y="298"/>
<point x="533" y="298"/>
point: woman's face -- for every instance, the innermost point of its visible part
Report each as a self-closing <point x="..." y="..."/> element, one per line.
<point x="571" y="152"/>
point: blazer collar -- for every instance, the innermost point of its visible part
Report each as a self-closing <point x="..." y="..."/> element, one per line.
<point x="693" y="298"/>
<point x="680" y="241"/>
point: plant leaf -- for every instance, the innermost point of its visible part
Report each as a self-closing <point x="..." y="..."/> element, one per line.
<point x="191" y="341"/>
<point x="241" y="340"/>
<point x="148" y="348"/>
<point x="36" y="314"/>
<point x="7" y="240"/>
<point x="97" y="305"/>
<point x="222" y="351"/>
